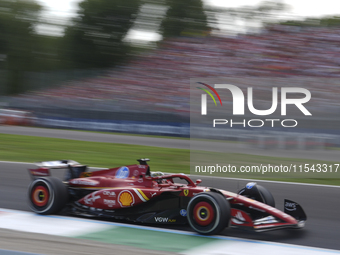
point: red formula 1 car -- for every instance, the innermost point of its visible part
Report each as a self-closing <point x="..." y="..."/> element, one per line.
<point x="136" y="194"/>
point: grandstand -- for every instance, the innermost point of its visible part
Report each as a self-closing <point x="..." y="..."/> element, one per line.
<point x="158" y="81"/>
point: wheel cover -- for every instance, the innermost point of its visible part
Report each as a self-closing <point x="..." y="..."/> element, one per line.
<point x="40" y="196"/>
<point x="203" y="213"/>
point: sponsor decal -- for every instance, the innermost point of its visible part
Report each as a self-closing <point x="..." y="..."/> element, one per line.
<point x="289" y="206"/>
<point x="135" y="173"/>
<point x="140" y="180"/>
<point x="109" y="203"/>
<point x="125" y="198"/>
<point x="84" y="182"/>
<point x="152" y="194"/>
<point x="164" y="220"/>
<point x="250" y="185"/>
<point x="141" y="195"/>
<point x="186" y="192"/>
<point x="90" y="199"/>
<point x="122" y="173"/>
<point x="141" y="166"/>
<point x="183" y="212"/>
<point x="238" y="218"/>
<point x="109" y="193"/>
<point x="86" y="174"/>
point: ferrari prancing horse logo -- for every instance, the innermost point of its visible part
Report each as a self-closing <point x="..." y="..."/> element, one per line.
<point x="186" y="192"/>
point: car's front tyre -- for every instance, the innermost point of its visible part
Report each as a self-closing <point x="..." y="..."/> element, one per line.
<point x="258" y="193"/>
<point x="208" y="213"/>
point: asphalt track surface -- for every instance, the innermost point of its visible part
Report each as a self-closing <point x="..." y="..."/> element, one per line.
<point x="321" y="203"/>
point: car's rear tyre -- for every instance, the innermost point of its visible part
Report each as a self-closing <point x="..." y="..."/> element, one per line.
<point x="47" y="195"/>
<point x="258" y="193"/>
<point x="208" y="213"/>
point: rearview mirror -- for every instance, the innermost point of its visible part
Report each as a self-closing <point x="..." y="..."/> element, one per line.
<point x="198" y="181"/>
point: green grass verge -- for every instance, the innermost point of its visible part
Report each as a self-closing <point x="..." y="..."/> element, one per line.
<point x="32" y="149"/>
<point x="121" y="133"/>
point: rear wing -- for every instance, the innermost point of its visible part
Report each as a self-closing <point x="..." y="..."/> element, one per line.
<point x="57" y="163"/>
<point x="74" y="169"/>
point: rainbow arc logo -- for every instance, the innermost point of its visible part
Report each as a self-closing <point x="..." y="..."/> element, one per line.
<point x="204" y="97"/>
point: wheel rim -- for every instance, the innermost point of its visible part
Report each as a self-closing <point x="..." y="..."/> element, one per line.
<point x="203" y="213"/>
<point x="40" y="196"/>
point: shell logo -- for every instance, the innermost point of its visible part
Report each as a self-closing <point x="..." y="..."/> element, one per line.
<point x="125" y="198"/>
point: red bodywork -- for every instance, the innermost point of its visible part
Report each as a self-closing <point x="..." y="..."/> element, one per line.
<point x="132" y="185"/>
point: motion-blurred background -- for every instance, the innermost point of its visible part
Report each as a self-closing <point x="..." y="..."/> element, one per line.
<point x="125" y="65"/>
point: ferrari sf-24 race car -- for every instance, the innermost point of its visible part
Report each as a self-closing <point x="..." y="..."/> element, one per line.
<point x="134" y="193"/>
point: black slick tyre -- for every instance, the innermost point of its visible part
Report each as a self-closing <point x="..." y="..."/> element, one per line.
<point x="259" y="193"/>
<point x="208" y="213"/>
<point x="47" y="195"/>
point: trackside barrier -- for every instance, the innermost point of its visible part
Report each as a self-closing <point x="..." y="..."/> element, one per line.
<point x="260" y="140"/>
